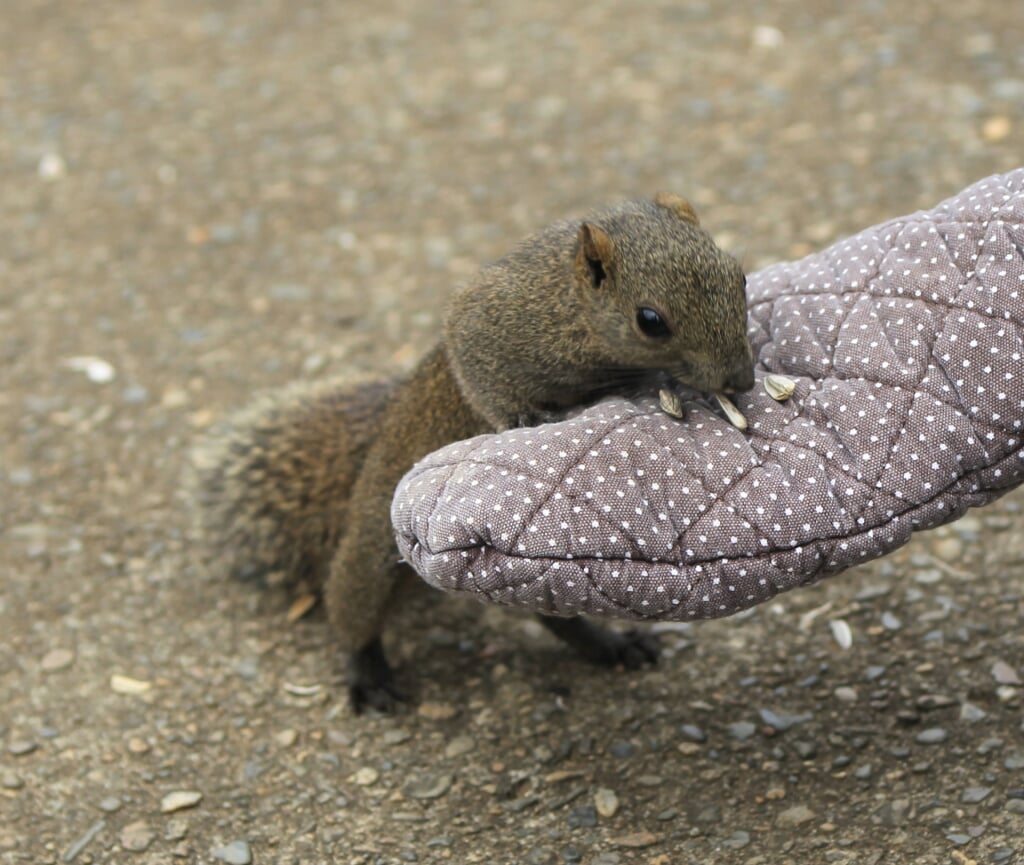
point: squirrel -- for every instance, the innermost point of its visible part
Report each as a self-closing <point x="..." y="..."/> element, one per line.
<point x="300" y="483"/>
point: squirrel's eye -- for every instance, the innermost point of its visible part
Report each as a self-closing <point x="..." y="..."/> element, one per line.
<point x="651" y="323"/>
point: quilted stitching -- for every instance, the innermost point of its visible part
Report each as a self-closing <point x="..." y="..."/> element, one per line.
<point x="906" y="344"/>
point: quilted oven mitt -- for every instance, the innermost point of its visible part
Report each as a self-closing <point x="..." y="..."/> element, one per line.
<point x="905" y="342"/>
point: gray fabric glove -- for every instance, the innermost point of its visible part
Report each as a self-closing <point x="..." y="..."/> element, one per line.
<point x="905" y="342"/>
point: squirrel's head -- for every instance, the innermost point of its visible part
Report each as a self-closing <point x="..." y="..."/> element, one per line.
<point x="658" y="294"/>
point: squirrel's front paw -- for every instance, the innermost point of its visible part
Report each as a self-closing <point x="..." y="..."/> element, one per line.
<point x="371" y="681"/>
<point x="537" y="417"/>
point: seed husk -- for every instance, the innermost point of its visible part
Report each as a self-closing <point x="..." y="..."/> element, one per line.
<point x="779" y="387"/>
<point x="670" y="402"/>
<point x="733" y="414"/>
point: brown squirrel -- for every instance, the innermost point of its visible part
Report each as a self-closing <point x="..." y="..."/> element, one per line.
<point x="300" y="485"/>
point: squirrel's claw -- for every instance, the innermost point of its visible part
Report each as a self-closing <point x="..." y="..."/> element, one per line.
<point x="635" y="649"/>
<point x="632" y="649"/>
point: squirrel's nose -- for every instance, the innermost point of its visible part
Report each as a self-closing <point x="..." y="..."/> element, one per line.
<point x="741" y="378"/>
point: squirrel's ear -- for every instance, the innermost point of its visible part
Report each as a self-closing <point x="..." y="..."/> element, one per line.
<point x="595" y="258"/>
<point x="678" y="205"/>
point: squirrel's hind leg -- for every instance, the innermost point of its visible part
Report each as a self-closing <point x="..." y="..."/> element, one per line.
<point x="372" y="681"/>
<point x="359" y="593"/>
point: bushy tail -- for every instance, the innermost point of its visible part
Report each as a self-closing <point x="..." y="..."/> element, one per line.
<point x="270" y="488"/>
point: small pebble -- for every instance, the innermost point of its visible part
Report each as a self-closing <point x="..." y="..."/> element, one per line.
<point x="931" y="736"/>
<point x="57" y="659"/>
<point x="606" y="802"/>
<point x="1007" y="693"/>
<point x="582" y="817"/>
<point x="179" y="800"/>
<point x="127" y="685"/>
<point x="737" y="841"/>
<point x="635" y="840"/>
<point x="765" y="36"/>
<point x="248" y="668"/>
<point x="795" y="816"/>
<point x="928" y="576"/>
<point x="805" y="750"/>
<point x="622" y="750"/>
<point x="863" y="772"/>
<point x="541" y="856"/>
<point x="971" y="713"/>
<point x="935" y="701"/>
<point x="286" y="738"/>
<point x="366" y="776"/>
<point x="110" y="804"/>
<point x="396" y="737"/>
<point x="135" y="394"/>
<point x="890" y="622"/>
<point x="1003" y="854"/>
<point x="176" y="829"/>
<point x="21" y="747"/>
<point x="870" y="593"/>
<point x="51" y="166"/>
<point x="10" y="781"/>
<point x="96" y="369"/>
<point x="874" y="673"/>
<point x="893" y="813"/>
<point x="235" y="853"/>
<point x="136" y="837"/>
<point x="1014" y="806"/>
<point x="1014" y="761"/>
<point x="459" y="746"/>
<point x="428" y="786"/>
<point x="845" y="694"/>
<point x="948" y="549"/>
<point x="1004" y="674"/>
<point x="841" y="633"/>
<point x="782" y="721"/>
<point x="437" y="711"/>
<point x="973" y="795"/>
<point x="995" y="129"/>
<point x="742" y="730"/>
<point x="693" y="732"/>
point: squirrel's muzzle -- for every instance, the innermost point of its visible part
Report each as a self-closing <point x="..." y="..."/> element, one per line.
<point x="740" y="378"/>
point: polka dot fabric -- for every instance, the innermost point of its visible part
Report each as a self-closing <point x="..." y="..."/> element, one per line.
<point x="906" y="344"/>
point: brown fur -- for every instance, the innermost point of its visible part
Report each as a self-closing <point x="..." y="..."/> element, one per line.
<point x="550" y="326"/>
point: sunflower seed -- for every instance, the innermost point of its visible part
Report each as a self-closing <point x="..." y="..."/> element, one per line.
<point x="732" y="414"/>
<point x="670" y="402"/>
<point x="779" y="387"/>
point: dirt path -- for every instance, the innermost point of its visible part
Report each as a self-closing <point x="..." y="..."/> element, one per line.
<point x="209" y="198"/>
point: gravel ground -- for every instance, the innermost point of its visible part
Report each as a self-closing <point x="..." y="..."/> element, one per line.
<point x="202" y="199"/>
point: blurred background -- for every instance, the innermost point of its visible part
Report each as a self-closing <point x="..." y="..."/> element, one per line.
<point x="204" y="198"/>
